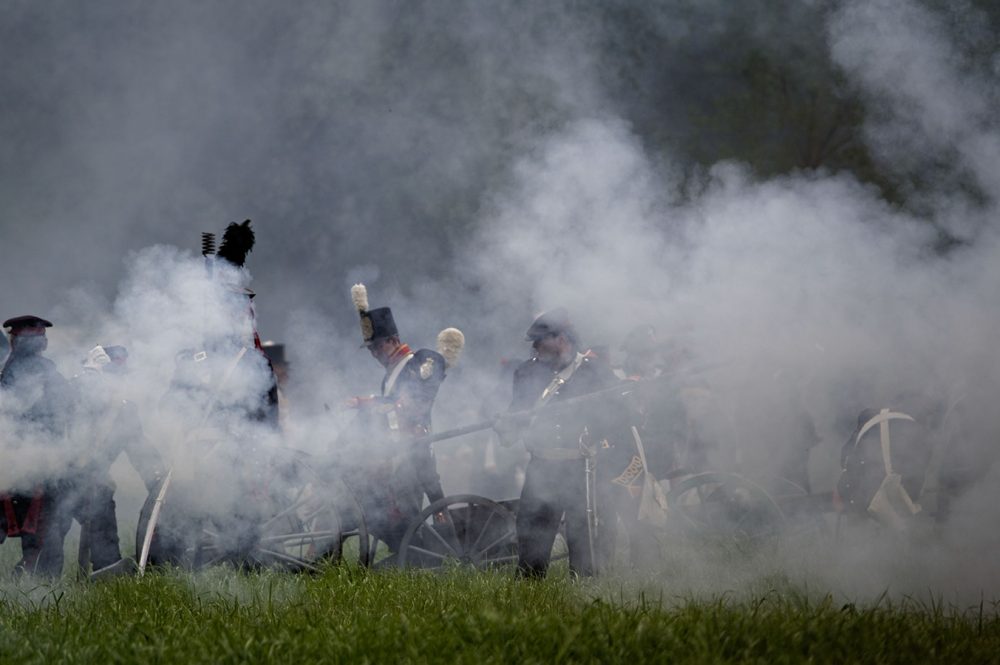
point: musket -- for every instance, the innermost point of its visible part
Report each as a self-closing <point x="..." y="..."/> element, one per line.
<point x="208" y="251"/>
<point x="590" y="485"/>
<point x="526" y="415"/>
<point x="622" y="389"/>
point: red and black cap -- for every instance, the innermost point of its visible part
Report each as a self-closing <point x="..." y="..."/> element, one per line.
<point x="27" y="325"/>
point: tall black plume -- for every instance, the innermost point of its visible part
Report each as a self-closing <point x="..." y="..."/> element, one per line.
<point x="237" y="242"/>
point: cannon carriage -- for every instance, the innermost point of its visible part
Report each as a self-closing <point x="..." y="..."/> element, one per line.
<point x="295" y="514"/>
<point x="257" y="505"/>
<point x="888" y="480"/>
<point x="273" y="508"/>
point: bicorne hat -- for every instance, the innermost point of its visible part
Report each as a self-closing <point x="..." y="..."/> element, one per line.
<point x="19" y="324"/>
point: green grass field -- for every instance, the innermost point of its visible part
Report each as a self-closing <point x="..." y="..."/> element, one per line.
<point x="350" y="614"/>
<point x="700" y="604"/>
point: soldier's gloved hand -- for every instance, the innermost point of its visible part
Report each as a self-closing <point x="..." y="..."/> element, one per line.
<point x="360" y="402"/>
<point x="97" y="358"/>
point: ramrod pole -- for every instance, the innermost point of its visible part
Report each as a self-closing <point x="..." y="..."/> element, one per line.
<point x="556" y="407"/>
<point x="623" y="389"/>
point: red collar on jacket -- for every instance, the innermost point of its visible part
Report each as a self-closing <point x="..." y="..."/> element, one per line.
<point x="399" y="354"/>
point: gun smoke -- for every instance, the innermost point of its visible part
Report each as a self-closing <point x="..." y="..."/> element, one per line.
<point x="347" y="131"/>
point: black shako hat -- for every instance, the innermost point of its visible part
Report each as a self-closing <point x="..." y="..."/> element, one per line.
<point x="552" y="322"/>
<point x="377" y="324"/>
<point x="27" y="321"/>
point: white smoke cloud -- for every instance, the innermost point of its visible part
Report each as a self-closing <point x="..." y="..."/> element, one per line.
<point x="821" y="296"/>
<point x="932" y="100"/>
<point x="809" y="294"/>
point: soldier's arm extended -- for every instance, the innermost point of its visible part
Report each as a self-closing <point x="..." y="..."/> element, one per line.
<point x="511" y="425"/>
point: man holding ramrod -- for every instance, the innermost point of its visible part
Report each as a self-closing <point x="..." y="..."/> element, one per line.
<point x="564" y="444"/>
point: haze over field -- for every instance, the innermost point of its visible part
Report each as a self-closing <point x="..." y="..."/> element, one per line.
<point x="802" y="195"/>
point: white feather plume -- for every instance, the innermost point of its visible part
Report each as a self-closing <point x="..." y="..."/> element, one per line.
<point x="450" y="343"/>
<point x="359" y="294"/>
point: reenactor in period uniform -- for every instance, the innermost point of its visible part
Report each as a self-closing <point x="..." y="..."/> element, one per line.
<point x="563" y="444"/>
<point x="108" y="425"/>
<point x="403" y="410"/>
<point x="38" y="399"/>
<point x="657" y="423"/>
<point x="883" y="464"/>
<point x="239" y="340"/>
<point x="658" y="412"/>
<point x="223" y="396"/>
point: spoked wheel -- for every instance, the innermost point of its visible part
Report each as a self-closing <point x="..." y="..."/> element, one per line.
<point x="728" y="507"/>
<point x="361" y="543"/>
<point x="289" y="519"/>
<point x="377" y="554"/>
<point x="308" y="524"/>
<point x="463" y="529"/>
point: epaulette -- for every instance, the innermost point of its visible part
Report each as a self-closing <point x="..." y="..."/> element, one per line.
<point x="428" y="363"/>
<point x="426" y="369"/>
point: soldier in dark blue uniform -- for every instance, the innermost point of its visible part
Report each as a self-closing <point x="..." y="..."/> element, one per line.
<point x="882" y="476"/>
<point x="563" y="444"/>
<point x="240" y="330"/>
<point x="657" y="411"/>
<point x="230" y="342"/>
<point x="39" y="400"/>
<point x="403" y="410"/>
<point x="110" y="425"/>
<point x="657" y="416"/>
